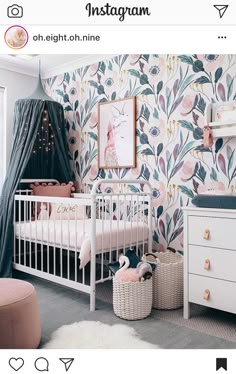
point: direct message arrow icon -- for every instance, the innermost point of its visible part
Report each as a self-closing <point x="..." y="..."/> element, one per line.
<point x="221" y="9"/>
<point x="67" y="362"/>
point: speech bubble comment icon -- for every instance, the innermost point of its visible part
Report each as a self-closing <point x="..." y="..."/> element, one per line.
<point x="42" y="364"/>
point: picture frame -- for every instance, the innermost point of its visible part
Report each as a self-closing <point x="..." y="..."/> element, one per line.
<point x="117" y="134"/>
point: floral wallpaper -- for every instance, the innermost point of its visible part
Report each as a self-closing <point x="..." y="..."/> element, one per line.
<point x="172" y="93"/>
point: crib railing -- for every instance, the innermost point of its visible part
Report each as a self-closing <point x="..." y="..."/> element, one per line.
<point x="107" y="223"/>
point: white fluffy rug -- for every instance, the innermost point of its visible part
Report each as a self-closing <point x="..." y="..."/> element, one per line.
<point x="93" y="334"/>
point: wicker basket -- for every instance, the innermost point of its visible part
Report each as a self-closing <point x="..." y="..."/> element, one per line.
<point x="168" y="281"/>
<point x="132" y="300"/>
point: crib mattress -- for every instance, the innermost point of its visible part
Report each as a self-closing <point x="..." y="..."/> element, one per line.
<point x="76" y="235"/>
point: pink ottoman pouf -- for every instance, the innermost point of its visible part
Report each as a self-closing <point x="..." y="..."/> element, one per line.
<point x="19" y="315"/>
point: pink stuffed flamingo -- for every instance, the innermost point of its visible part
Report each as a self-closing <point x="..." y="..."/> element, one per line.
<point x="125" y="273"/>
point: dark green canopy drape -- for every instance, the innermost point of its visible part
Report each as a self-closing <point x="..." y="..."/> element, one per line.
<point x="27" y="122"/>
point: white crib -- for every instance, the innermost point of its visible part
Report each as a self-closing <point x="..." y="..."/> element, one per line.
<point x="53" y="247"/>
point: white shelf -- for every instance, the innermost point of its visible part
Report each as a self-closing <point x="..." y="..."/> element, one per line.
<point x="223" y="129"/>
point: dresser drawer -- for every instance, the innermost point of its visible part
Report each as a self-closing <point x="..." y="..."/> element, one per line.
<point x="221" y="293"/>
<point x="212" y="262"/>
<point x="212" y="232"/>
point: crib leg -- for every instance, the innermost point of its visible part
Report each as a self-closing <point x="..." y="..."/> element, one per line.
<point x="92" y="300"/>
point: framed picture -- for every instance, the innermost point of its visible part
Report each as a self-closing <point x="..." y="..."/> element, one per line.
<point x="116" y="134"/>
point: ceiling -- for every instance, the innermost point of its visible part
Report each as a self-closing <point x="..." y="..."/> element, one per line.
<point x="50" y="64"/>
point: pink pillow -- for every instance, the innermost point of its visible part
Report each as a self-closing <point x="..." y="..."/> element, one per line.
<point x="63" y="211"/>
<point x="58" y="190"/>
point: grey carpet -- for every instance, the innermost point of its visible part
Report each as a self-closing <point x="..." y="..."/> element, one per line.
<point x="60" y="306"/>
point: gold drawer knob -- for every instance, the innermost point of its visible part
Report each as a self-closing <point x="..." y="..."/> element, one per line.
<point x="206" y="234"/>
<point x="207" y="264"/>
<point x="207" y="294"/>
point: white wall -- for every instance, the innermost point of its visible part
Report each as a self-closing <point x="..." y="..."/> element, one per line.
<point x="17" y="86"/>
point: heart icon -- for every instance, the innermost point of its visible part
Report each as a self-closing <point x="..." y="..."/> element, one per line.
<point x="16" y="363"/>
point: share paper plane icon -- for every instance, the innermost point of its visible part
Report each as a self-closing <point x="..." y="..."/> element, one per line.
<point x="221" y="9"/>
<point x="67" y="362"/>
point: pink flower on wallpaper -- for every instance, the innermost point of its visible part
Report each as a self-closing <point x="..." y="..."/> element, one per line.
<point x="73" y="139"/>
<point x="213" y="185"/>
<point x="74" y="91"/>
<point x="110" y="82"/>
<point x="93" y="69"/>
<point x="93" y="172"/>
<point x="158" y="194"/>
<point x="157" y="131"/>
<point x="133" y="59"/>
<point x="135" y="171"/>
<point x="93" y="119"/>
<point x="187" y="103"/>
<point x="59" y="80"/>
<point x="187" y="170"/>
<point x="211" y="62"/>
<point x="156" y="71"/>
<point x="108" y="188"/>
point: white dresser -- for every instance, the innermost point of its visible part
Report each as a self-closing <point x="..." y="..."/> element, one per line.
<point x="210" y="258"/>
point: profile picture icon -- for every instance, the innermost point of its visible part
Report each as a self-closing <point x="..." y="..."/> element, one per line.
<point x="16" y="37"/>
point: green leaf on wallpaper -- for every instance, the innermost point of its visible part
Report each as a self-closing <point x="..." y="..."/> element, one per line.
<point x="134" y="72"/>
<point x="147" y="91"/>
<point x="185" y="83"/>
<point x="198" y="133"/>
<point x="186" y="191"/>
<point x="102" y="67"/>
<point x="110" y="174"/>
<point x="201" y="173"/>
<point x="213" y="175"/>
<point x="143" y="79"/>
<point x="186" y="149"/>
<point x="155" y="237"/>
<point x="68" y="108"/>
<point x="155" y="113"/>
<point x="186" y="125"/>
<point x="147" y="152"/>
<point x="146" y="113"/>
<point x="76" y="104"/>
<point x="103" y="100"/>
<point x="201" y="105"/>
<point x="110" y="67"/>
<point x="93" y="136"/>
<point x="198" y="66"/>
<point x="60" y="93"/>
<point x="73" y="126"/>
<point x="113" y="96"/>
<point x="67" y="78"/>
<point x="52" y="81"/>
<point x="159" y="211"/>
<point x="155" y="175"/>
<point x="73" y="77"/>
<point x="218" y="74"/>
<point x="93" y="84"/>
<point x="66" y="98"/>
<point x="186" y="59"/>
<point x="230" y="85"/>
<point x="202" y="80"/>
<point x="100" y="89"/>
<point x="231" y="159"/>
<point x="159" y="87"/>
<point x="145" y="57"/>
<point x="133" y="188"/>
